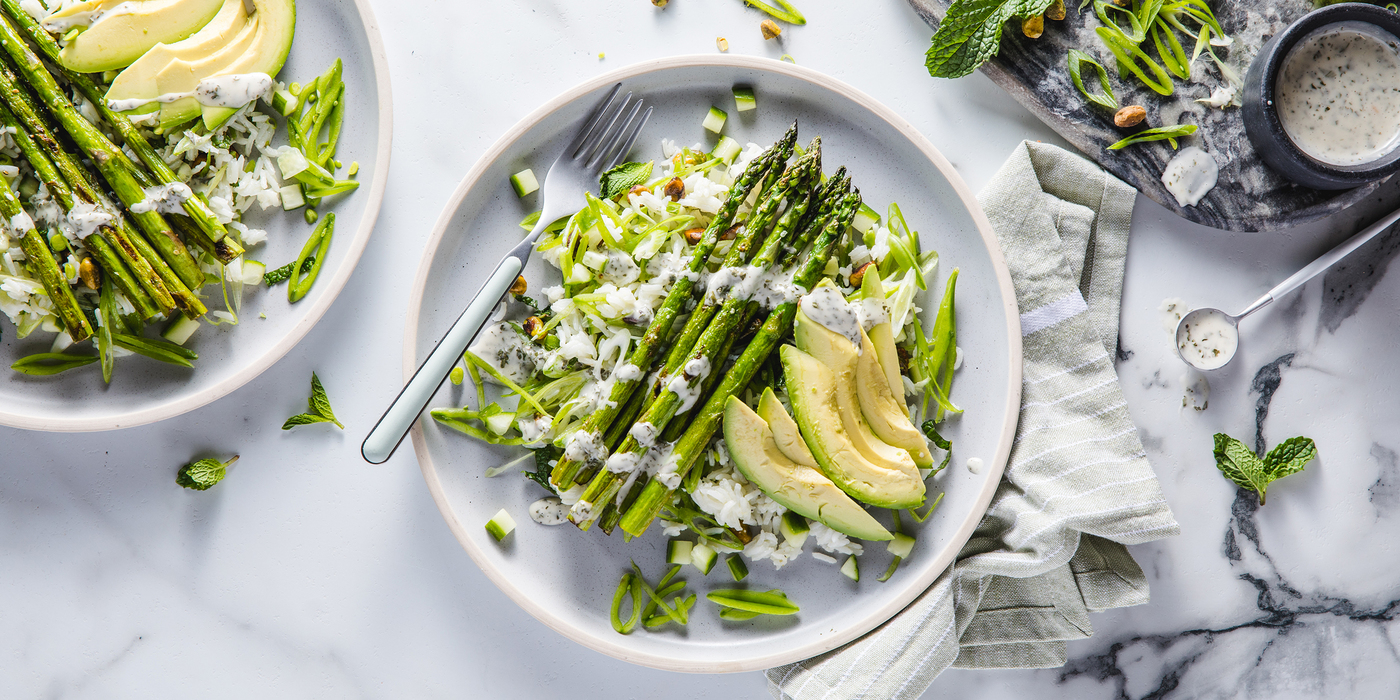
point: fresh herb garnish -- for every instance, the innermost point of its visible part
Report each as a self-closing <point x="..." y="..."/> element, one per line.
<point x="543" y="457"/>
<point x="785" y="11"/>
<point x="970" y="34"/>
<point x="49" y="363"/>
<point x="633" y="584"/>
<point x="621" y="178"/>
<point x="942" y="443"/>
<point x="1077" y="59"/>
<point x="201" y="474"/>
<point x="1170" y="133"/>
<point x="281" y="274"/>
<point x="319" y="406"/>
<point x="1239" y="464"/>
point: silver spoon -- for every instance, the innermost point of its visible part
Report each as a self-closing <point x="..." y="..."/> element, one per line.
<point x="1207" y="338"/>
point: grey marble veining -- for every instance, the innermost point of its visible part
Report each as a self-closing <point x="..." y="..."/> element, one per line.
<point x="1249" y="196"/>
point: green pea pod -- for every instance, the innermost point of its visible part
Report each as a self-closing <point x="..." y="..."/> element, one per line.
<point x="772" y="602"/>
<point x="340" y="187"/>
<point x="1169" y="133"/>
<point x="1128" y="54"/>
<point x="1077" y="59"/>
<point x="160" y="350"/>
<point x="627" y="586"/>
<point x="46" y="364"/>
<point x="319" y="243"/>
<point x="107" y="320"/>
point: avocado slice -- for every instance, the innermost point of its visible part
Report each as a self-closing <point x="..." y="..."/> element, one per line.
<point x="886" y="414"/>
<point x="120" y="36"/>
<point x="823" y="420"/>
<point x="785" y="430"/>
<point x="260" y="47"/>
<point x="836" y="352"/>
<point x="277" y="21"/>
<point x="882" y="335"/>
<point x="138" y="81"/>
<point x="798" y="487"/>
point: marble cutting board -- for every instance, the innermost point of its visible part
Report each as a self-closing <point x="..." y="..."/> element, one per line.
<point x="1249" y="196"/>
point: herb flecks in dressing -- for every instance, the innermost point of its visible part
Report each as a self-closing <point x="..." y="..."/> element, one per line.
<point x="232" y="91"/>
<point x="1208" y="340"/>
<point x="1338" y="94"/>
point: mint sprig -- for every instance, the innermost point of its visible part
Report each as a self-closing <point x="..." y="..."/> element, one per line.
<point x="621" y="178"/>
<point x="970" y="34"/>
<point x="1239" y="464"/>
<point x="202" y="474"/>
<point x="319" y="405"/>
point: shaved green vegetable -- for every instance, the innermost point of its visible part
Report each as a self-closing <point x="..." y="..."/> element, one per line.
<point x="1077" y="59"/>
<point x="1169" y="133"/>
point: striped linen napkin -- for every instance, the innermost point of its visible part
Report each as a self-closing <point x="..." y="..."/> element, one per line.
<point x="1077" y="487"/>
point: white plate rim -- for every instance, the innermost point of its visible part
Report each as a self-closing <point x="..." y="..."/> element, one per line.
<point x="320" y="305"/>
<point x="1014" y="355"/>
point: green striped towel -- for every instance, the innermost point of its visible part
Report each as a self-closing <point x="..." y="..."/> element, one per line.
<point x="1077" y="487"/>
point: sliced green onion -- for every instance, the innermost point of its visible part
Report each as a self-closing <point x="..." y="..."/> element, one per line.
<point x="318" y="244"/>
<point x="50" y="363"/>
<point x="773" y="602"/>
<point x="1169" y="133"/>
<point x="1076" y="60"/>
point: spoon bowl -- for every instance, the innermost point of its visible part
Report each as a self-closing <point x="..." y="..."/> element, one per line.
<point x="1207" y="338"/>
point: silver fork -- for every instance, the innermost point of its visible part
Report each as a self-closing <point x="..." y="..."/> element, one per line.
<point x="604" y="138"/>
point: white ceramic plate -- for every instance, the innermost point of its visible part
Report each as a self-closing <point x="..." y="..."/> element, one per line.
<point x="565" y="577"/>
<point x="144" y="391"/>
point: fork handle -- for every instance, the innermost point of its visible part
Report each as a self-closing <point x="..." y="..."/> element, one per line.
<point x="396" y="422"/>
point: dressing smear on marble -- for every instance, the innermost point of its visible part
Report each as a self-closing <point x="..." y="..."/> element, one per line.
<point x="1195" y="386"/>
<point x="1338" y="93"/>
<point x="1208" y="340"/>
<point x="1190" y="175"/>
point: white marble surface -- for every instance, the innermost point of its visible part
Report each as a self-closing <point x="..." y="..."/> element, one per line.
<point x="311" y="574"/>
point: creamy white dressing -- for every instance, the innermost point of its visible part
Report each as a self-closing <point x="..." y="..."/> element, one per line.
<point x="571" y="495"/>
<point x="549" y="511"/>
<point x="1190" y="175"/>
<point x="21" y="223"/>
<point x="627" y="372"/>
<point x="507" y="350"/>
<point x="232" y="91"/>
<point x="1208" y="339"/>
<point x="620" y="269"/>
<point x="1338" y="93"/>
<point x="1170" y="311"/>
<point x="644" y="433"/>
<point x="86" y="18"/>
<point x="688" y="383"/>
<point x="827" y="307"/>
<point x="585" y="447"/>
<point x="974" y="464"/>
<point x="1195" y="391"/>
<point x="166" y="199"/>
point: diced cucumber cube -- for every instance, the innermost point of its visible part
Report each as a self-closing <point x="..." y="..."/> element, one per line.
<point x="500" y="422"/>
<point x="744" y="99"/>
<point x="794" y="527"/>
<point x="253" y="272"/>
<point x="594" y="260"/>
<point x="579" y="274"/>
<point x="865" y="218"/>
<point x="291" y="197"/>
<point x="500" y="525"/>
<point x="524" y="182"/>
<point x="901" y="545"/>
<point x="678" y="551"/>
<point x="851" y="569"/>
<point x="726" y="150"/>
<point x="292" y="162"/>
<point x="714" y="121"/>
<point x="737" y="568"/>
<point x="180" y="330"/>
<point x="703" y="557"/>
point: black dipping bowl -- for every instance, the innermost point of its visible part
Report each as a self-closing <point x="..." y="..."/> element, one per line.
<point x="1261" y="120"/>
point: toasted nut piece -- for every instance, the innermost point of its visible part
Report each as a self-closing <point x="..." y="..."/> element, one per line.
<point x="1033" y="27"/>
<point x="518" y="286"/>
<point x="693" y="235"/>
<point x="730" y="233"/>
<point x="742" y="534"/>
<point x="90" y="274"/>
<point x="904" y="359"/>
<point x="534" y="326"/>
<point x="722" y="43"/>
<point x="638" y="189"/>
<point x="1132" y="115"/>
<point x="660" y="3"/>
<point x="859" y="275"/>
<point x="770" y="29"/>
<point x="675" y="188"/>
<point x="1056" y="11"/>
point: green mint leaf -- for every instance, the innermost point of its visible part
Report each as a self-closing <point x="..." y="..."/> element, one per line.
<point x="942" y="443"/>
<point x="303" y="419"/>
<point x="543" y="456"/>
<point x="970" y="34"/>
<point x="1238" y="463"/>
<point x="623" y="177"/>
<point x="1289" y="457"/>
<point x="319" y="403"/>
<point x="201" y="474"/>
